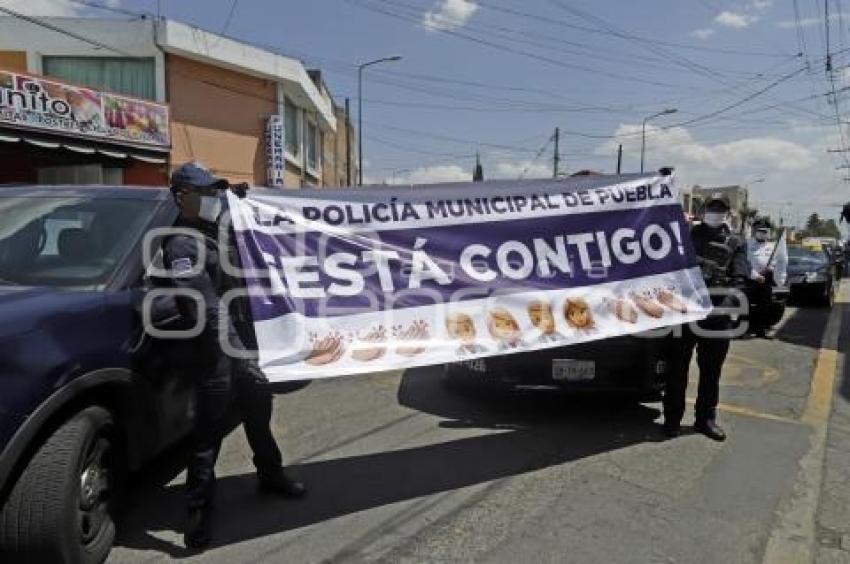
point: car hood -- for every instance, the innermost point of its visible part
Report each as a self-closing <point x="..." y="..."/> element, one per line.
<point x="24" y="308"/>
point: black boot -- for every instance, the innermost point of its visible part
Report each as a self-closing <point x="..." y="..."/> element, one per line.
<point x="198" y="528"/>
<point x="671" y="430"/>
<point x="710" y="429"/>
<point x="277" y="481"/>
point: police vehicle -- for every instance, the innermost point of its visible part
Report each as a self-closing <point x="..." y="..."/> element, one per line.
<point x="85" y="395"/>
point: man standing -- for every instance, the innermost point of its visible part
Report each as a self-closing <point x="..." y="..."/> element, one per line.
<point x="768" y="265"/>
<point x="219" y="378"/>
<point x="723" y="260"/>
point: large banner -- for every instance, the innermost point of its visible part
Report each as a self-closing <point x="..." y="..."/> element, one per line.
<point x="38" y="103"/>
<point x="352" y="281"/>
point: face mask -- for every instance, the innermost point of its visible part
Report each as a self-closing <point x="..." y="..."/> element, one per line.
<point x="761" y="236"/>
<point x="714" y="219"/>
<point x="210" y="208"/>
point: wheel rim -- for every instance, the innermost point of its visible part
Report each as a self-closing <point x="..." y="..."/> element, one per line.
<point x="95" y="488"/>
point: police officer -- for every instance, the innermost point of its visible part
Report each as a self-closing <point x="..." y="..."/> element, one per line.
<point x="722" y="258"/>
<point x="220" y="379"/>
<point x="768" y="265"/>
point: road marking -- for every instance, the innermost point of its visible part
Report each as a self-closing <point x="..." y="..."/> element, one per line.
<point x="792" y="539"/>
<point x="747" y="412"/>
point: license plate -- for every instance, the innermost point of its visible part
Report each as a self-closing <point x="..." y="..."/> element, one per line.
<point x="569" y="370"/>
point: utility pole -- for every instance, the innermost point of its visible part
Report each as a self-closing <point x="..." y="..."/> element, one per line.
<point x="347" y="143"/>
<point x="360" y="110"/>
<point x="557" y="157"/>
<point x="619" y="157"/>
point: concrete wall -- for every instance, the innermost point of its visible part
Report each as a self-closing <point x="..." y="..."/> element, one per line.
<point x="218" y="117"/>
<point x="129" y="37"/>
<point x="14" y="60"/>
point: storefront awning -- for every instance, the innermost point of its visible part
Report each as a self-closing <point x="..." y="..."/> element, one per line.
<point x="83" y="149"/>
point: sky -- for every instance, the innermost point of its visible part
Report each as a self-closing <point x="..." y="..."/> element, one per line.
<point x="756" y="104"/>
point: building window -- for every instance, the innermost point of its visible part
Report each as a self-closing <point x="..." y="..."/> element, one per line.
<point x="292" y="129"/>
<point x="122" y="75"/>
<point x="80" y="174"/>
<point x="313" y="149"/>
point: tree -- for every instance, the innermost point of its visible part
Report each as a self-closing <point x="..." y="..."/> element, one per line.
<point x="813" y="223"/>
<point x="830" y="229"/>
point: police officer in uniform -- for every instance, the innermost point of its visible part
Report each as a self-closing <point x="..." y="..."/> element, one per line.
<point x="722" y="257"/>
<point x="220" y="380"/>
<point x="768" y="267"/>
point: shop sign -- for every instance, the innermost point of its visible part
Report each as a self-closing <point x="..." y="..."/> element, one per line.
<point x="274" y="151"/>
<point x="31" y="102"/>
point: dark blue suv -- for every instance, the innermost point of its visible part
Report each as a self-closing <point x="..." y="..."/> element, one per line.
<point x="84" y="396"/>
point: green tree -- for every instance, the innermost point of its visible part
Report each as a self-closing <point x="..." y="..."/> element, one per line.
<point x="830" y="229"/>
<point x="812" y="224"/>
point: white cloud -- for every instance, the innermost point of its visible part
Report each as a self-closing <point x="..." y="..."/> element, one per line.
<point x="762" y="4"/>
<point x="432" y="175"/>
<point x="735" y="20"/>
<point x="800" y="174"/>
<point x="704" y="33"/>
<point x="512" y="170"/>
<point x="808" y="22"/>
<point x="677" y="145"/>
<point x="804" y="22"/>
<point x="50" y="7"/>
<point x="449" y="14"/>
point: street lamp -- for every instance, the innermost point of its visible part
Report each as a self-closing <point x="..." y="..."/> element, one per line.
<point x="360" y="110"/>
<point x="643" y="131"/>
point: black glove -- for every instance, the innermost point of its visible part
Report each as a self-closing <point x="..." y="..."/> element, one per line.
<point x="240" y="189"/>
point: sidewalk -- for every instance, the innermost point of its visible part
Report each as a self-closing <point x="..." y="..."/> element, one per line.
<point x="832" y="524"/>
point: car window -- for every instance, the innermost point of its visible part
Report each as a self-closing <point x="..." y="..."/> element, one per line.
<point x="807" y="257"/>
<point x="67" y="241"/>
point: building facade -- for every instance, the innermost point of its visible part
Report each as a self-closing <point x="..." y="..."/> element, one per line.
<point x="250" y="114"/>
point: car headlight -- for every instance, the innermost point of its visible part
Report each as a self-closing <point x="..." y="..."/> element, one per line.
<point x="816" y="276"/>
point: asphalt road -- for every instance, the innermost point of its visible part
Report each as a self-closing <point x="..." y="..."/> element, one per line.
<point x="400" y="469"/>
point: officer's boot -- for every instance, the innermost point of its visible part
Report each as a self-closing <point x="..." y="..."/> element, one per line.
<point x="198" y="528"/>
<point x="277" y="481"/>
<point x="710" y="429"/>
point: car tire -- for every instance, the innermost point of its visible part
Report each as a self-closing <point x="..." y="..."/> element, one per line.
<point x="827" y="299"/>
<point x="59" y="510"/>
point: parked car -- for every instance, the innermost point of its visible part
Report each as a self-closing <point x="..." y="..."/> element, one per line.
<point x="836" y="254"/>
<point x="630" y="365"/>
<point x="85" y="395"/>
<point x="811" y="274"/>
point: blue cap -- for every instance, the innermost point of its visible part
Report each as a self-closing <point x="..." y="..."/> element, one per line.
<point x="196" y="174"/>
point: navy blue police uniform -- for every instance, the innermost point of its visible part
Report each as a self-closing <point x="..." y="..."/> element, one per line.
<point x="711" y="349"/>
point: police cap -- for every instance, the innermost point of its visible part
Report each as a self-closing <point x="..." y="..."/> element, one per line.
<point x="718" y="198"/>
<point x="195" y="174"/>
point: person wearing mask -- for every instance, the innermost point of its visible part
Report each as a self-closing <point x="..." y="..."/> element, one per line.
<point x="722" y="258"/>
<point x="220" y="380"/>
<point x="768" y="264"/>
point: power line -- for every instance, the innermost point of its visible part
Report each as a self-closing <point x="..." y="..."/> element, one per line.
<point x="227" y="21"/>
<point x="562" y="23"/>
<point x="537" y="156"/>
<point x="57" y="29"/>
<point x="513" y="50"/>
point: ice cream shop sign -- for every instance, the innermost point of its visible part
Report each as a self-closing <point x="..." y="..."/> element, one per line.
<point x="30" y="102"/>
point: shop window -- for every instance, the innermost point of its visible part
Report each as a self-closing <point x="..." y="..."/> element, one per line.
<point x="312" y="142"/>
<point x="123" y="75"/>
<point x="80" y="174"/>
<point x="292" y="129"/>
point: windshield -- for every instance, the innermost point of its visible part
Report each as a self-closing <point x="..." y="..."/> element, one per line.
<point x="798" y="256"/>
<point x="67" y="241"/>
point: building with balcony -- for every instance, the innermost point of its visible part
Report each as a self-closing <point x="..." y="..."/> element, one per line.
<point x="127" y="100"/>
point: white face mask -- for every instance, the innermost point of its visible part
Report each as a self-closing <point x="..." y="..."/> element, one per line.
<point x="210" y="208"/>
<point x="714" y="219"/>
